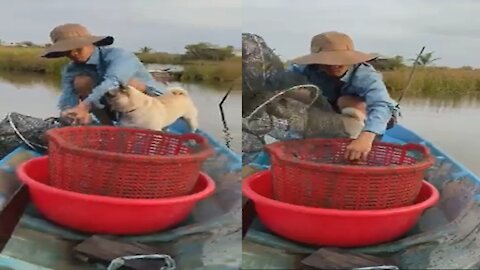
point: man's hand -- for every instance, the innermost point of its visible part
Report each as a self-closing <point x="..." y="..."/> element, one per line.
<point x="359" y="148"/>
<point x="80" y="114"/>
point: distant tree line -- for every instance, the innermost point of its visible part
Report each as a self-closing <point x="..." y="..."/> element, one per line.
<point x="393" y="63"/>
<point x="199" y="51"/>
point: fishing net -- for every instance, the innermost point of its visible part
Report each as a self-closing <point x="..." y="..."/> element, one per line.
<point x="269" y="112"/>
<point x="17" y="129"/>
<point x="259" y="62"/>
<point x="264" y="78"/>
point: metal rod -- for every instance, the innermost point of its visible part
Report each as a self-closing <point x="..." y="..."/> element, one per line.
<point x="224" y="121"/>
<point x="411" y="76"/>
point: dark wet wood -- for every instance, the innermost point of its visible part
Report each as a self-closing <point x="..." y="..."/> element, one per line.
<point x="11" y="213"/>
<point x="103" y="117"/>
<point x="14" y="196"/>
<point x="248" y="215"/>
<point x="330" y="258"/>
<point x="104" y="250"/>
<point x="248" y="208"/>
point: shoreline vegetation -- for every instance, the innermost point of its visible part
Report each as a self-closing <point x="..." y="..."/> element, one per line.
<point x="206" y="63"/>
<point x="428" y="80"/>
<point x="202" y="62"/>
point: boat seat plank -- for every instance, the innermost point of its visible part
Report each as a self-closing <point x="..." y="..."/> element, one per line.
<point x="101" y="249"/>
<point x="329" y="258"/>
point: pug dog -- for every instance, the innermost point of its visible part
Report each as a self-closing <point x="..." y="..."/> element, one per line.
<point x="140" y="110"/>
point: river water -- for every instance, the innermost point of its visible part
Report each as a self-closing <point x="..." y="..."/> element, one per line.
<point x="37" y="96"/>
<point x="450" y="123"/>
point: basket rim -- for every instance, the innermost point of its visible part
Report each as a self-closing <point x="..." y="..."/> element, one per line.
<point x="426" y="162"/>
<point x="209" y="189"/>
<point x="205" y="152"/>
<point x="256" y="197"/>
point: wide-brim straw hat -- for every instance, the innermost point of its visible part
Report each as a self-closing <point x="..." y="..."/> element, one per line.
<point x="333" y="48"/>
<point x="71" y="36"/>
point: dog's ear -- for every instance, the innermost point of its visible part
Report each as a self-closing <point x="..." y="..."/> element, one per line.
<point x="111" y="93"/>
<point x="123" y="88"/>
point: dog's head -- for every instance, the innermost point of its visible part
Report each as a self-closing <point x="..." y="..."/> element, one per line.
<point x="120" y="99"/>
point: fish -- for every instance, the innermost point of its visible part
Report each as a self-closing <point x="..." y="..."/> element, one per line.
<point x="270" y="109"/>
<point x="315" y="121"/>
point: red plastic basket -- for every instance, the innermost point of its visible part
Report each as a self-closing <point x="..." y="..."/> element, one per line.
<point x="334" y="227"/>
<point x="96" y="214"/>
<point x="313" y="172"/>
<point x="125" y="162"/>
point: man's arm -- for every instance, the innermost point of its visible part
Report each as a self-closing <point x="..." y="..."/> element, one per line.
<point x="68" y="97"/>
<point x="378" y="104"/>
<point x="120" y="70"/>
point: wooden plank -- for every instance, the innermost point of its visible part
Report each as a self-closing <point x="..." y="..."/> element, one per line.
<point x="11" y="213"/>
<point x="248" y="208"/>
<point x="330" y="258"/>
<point x="14" y="196"/>
<point x="101" y="249"/>
<point x="248" y="170"/>
<point x="248" y="215"/>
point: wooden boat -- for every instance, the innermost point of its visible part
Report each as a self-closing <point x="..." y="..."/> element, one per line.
<point x="446" y="237"/>
<point x="209" y="239"/>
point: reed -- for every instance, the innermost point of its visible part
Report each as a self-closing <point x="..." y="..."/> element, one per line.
<point x="19" y="59"/>
<point x="433" y="81"/>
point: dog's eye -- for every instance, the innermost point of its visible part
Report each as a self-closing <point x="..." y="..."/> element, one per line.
<point x="110" y="94"/>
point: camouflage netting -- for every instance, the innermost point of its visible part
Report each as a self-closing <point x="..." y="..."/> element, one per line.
<point x="259" y="62"/>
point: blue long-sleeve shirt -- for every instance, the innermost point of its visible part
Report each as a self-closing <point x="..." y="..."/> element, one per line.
<point x="110" y="67"/>
<point x="365" y="83"/>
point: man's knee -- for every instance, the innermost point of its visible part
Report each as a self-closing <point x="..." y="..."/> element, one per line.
<point x="137" y="85"/>
<point x="83" y="85"/>
<point x="352" y="102"/>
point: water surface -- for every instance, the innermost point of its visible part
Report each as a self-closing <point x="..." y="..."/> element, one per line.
<point x="37" y="96"/>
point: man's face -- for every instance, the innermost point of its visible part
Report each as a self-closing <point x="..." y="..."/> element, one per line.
<point x="80" y="55"/>
<point x="334" y="71"/>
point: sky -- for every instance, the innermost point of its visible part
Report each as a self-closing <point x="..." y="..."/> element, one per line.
<point x="451" y="29"/>
<point x="164" y="25"/>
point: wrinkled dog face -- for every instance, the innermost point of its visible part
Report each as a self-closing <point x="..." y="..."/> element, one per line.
<point x="119" y="99"/>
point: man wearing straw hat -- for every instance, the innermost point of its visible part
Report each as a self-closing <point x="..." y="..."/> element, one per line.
<point x="93" y="71"/>
<point x="350" y="84"/>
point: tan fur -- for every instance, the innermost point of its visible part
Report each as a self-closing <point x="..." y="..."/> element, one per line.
<point x="143" y="111"/>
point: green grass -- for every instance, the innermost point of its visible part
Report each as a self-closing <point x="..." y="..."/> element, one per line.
<point x="18" y="59"/>
<point x="434" y="82"/>
<point x="159" y="58"/>
<point x="223" y="71"/>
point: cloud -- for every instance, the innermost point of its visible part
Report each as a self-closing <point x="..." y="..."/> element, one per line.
<point x="216" y="14"/>
<point x="165" y="25"/>
<point x="388" y="27"/>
